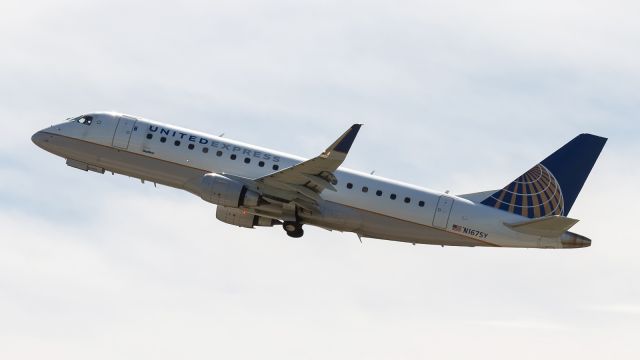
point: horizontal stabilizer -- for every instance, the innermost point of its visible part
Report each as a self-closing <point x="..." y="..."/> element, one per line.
<point x="550" y="226"/>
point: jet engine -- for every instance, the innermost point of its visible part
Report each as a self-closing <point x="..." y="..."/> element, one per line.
<point x="238" y="217"/>
<point x="221" y="190"/>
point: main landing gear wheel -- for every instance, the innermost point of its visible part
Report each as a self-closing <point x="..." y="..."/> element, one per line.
<point x="293" y="229"/>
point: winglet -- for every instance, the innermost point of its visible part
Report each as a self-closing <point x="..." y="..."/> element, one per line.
<point x="344" y="142"/>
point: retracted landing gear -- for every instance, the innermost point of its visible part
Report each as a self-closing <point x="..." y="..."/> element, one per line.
<point x="293" y="229"/>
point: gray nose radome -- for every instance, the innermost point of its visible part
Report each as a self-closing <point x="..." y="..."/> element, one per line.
<point x="40" y="139"/>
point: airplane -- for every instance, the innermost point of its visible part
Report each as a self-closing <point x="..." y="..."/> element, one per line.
<point x="254" y="186"/>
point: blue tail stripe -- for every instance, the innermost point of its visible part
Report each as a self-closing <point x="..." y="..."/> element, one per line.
<point x="572" y="163"/>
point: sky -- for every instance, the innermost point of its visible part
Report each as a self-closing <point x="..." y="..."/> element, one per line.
<point x="455" y="95"/>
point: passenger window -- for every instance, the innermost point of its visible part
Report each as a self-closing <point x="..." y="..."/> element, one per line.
<point x="233" y="156"/>
<point x="247" y="160"/>
<point x="149" y="136"/>
<point x="163" y="139"/>
<point x="349" y="185"/>
<point x="379" y="192"/>
<point x="276" y="167"/>
<point x="393" y="196"/>
<point x="407" y="200"/>
<point x="421" y="203"/>
<point x="261" y="164"/>
<point x="176" y="143"/>
<point x="218" y="153"/>
<point x="191" y="146"/>
<point x="365" y="189"/>
<point x="205" y="150"/>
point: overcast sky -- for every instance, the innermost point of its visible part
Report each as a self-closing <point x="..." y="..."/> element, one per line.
<point x="455" y="95"/>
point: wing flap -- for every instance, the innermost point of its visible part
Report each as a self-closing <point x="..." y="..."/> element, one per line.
<point x="319" y="182"/>
<point x="305" y="191"/>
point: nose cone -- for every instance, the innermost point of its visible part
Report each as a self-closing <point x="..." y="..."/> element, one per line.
<point x="571" y="241"/>
<point x="37" y="138"/>
<point x="41" y="139"/>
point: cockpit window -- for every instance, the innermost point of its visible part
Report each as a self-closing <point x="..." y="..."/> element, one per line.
<point x="84" y="120"/>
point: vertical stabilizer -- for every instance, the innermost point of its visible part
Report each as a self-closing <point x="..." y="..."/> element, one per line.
<point x="552" y="186"/>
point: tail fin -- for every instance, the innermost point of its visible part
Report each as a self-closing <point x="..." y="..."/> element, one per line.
<point x="552" y="186"/>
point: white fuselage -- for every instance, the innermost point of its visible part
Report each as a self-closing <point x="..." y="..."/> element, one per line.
<point x="368" y="205"/>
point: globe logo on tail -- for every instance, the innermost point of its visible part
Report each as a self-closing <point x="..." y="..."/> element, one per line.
<point x="535" y="194"/>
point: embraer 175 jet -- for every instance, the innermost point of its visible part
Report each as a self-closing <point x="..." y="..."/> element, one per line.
<point x="254" y="186"/>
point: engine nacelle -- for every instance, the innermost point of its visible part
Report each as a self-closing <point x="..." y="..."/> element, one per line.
<point x="221" y="190"/>
<point x="238" y="217"/>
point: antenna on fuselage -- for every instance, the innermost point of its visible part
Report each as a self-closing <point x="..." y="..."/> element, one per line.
<point x="372" y="172"/>
<point x="221" y="135"/>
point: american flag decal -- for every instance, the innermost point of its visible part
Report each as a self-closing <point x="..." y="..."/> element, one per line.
<point x="457" y="228"/>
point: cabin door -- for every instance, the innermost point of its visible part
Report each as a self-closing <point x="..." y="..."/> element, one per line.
<point x="122" y="135"/>
<point x="443" y="210"/>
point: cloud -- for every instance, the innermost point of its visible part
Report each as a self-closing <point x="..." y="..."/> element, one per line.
<point x="455" y="95"/>
<point x="622" y="309"/>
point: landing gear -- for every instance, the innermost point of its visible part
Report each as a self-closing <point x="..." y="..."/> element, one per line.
<point x="293" y="229"/>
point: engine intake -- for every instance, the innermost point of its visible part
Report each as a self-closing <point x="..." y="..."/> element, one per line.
<point x="221" y="190"/>
<point x="240" y="218"/>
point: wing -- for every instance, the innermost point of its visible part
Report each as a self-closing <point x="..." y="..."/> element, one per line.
<point x="302" y="184"/>
<point x="311" y="177"/>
